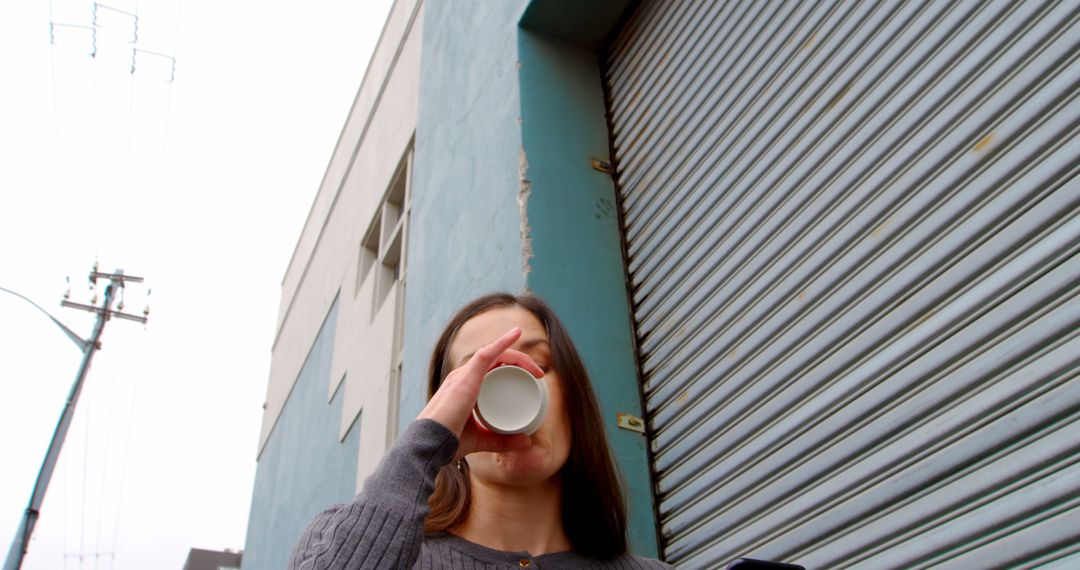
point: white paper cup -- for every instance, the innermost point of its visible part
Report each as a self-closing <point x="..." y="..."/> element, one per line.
<point x="511" y="401"/>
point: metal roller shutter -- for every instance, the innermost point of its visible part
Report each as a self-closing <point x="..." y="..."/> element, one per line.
<point x="852" y="234"/>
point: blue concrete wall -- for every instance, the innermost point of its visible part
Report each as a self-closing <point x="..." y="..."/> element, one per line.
<point x="303" y="468"/>
<point x="465" y="236"/>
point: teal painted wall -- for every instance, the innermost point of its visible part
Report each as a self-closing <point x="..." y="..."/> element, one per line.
<point x="465" y="231"/>
<point x="577" y="249"/>
<point x="303" y="468"/>
<point x="506" y="114"/>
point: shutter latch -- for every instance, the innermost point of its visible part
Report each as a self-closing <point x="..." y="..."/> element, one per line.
<point x="631" y="422"/>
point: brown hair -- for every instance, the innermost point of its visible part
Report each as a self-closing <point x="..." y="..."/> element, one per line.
<point x="593" y="508"/>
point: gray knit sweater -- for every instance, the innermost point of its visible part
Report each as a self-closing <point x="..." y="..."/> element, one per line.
<point x="383" y="527"/>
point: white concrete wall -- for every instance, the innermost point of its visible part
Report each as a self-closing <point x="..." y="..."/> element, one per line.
<point x="376" y="136"/>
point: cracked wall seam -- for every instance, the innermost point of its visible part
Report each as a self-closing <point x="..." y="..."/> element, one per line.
<point x="524" y="190"/>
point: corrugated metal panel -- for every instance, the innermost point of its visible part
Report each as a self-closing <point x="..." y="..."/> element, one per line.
<point x="853" y="234"/>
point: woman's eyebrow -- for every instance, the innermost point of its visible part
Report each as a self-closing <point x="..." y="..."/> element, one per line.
<point x="531" y="343"/>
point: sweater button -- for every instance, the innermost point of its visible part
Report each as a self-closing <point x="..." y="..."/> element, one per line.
<point x="524" y="563"/>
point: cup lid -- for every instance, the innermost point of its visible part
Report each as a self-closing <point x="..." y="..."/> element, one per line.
<point x="511" y="401"/>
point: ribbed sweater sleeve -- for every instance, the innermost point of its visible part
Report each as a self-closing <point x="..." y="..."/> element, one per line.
<point x="383" y="527"/>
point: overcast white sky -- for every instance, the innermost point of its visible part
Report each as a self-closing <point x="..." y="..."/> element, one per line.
<point x="201" y="186"/>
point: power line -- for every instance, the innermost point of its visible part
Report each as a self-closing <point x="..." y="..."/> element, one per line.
<point x="127" y="444"/>
<point x="134" y="16"/>
<point x="140" y="60"/>
<point x="131" y="127"/>
<point x="172" y="71"/>
<point x="108" y="436"/>
<point x="52" y="31"/>
<point x="87" y="415"/>
<point x="164" y="148"/>
<point x="117" y="280"/>
<point x="137" y="52"/>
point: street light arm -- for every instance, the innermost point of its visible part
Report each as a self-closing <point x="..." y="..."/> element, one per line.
<point x="78" y="340"/>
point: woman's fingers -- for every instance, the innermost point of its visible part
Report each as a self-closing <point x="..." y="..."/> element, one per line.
<point x="485" y="358"/>
<point x="520" y="359"/>
<point x="453" y="402"/>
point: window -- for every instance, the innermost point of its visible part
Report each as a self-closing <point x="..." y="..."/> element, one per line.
<point x="382" y="250"/>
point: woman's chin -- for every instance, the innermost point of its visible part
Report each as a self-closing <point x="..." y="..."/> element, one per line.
<point x="521" y="467"/>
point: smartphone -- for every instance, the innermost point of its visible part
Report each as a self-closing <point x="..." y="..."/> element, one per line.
<point x="752" y="564"/>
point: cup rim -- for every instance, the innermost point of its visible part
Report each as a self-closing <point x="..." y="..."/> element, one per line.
<point x="529" y="425"/>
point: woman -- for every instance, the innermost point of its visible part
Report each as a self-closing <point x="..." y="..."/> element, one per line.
<point x="450" y="494"/>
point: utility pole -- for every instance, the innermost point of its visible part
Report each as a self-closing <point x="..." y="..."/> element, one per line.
<point x="104" y="312"/>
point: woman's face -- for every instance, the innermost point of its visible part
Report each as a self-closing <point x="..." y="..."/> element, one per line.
<point x="551" y="443"/>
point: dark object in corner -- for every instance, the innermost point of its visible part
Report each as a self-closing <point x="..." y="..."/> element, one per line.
<point x="751" y="564"/>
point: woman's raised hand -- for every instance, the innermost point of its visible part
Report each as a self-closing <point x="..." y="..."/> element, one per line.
<point x="453" y="403"/>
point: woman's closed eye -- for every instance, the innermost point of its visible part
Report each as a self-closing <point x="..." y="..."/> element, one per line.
<point x="543" y="361"/>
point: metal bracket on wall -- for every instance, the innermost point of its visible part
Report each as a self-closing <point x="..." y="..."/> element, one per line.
<point x="602" y="166"/>
<point x="631" y="422"/>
